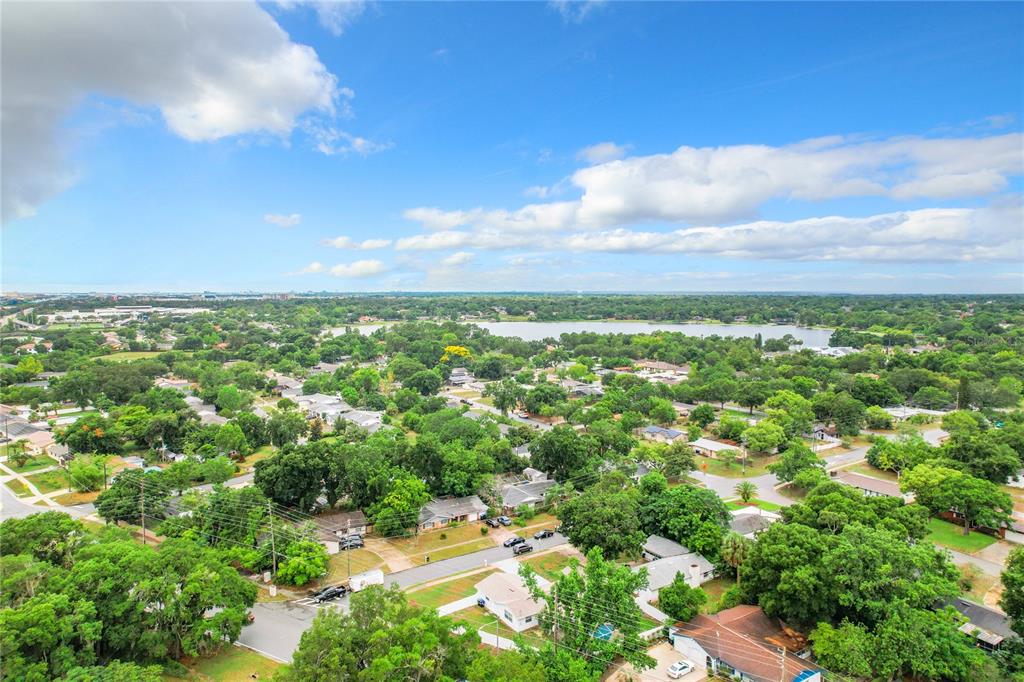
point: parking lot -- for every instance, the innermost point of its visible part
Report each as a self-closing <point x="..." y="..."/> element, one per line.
<point x="664" y="655"/>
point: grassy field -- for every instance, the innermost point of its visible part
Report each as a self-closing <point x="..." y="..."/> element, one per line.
<point x="17" y="487"/>
<point x="477" y="617"/>
<point x="549" y="565"/>
<point x="233" y="664"/>
<point x="543" y="520"/>
<point x="129" y="355"/>
<point x="1016" y="494"/>
<point x="951" y="535"/>
<point x="74" y="498"/>
<point x="871" y="471"/>
<point x="434" y="544"/>
<point x="767" y="506"/>
<point x="714" y="589"/>
<point x="361" y="560"/>
<point x="50" y="481"/>
<point x="438" y="595"/>
<point x="756" y="466"/>
<point x="33" y="464"/>
<point x="449" y="552"/>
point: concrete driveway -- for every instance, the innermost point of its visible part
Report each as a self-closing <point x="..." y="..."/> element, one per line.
<point x="664" y="655"/>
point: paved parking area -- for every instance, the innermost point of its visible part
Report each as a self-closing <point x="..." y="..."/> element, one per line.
<point x="664" y="655"/>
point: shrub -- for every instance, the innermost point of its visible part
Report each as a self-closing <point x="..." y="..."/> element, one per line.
<point x="484" y="530"/>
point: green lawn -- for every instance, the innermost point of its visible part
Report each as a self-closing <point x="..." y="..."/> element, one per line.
<point x="449" y="552"/>
<point x="476" y="617"/>
<point x="868" y="470"/>
<point x="549" y="565"/>
<point x="232" y="664"/>
<point x="763" y="504"/>
<point x="17" y="487"/>
<point x="361" y="560"/>
<point x="37" y="462"/>
<point x="74" y="498"/>
<point x="129" y="355"/>
<point x="432" y="542"/>
<point x="714" y="589"/>
<point x="438" y="595"/>
<point x="756" y="466"/>
<point x="951" y="535"/>
<point x="50" y="481"/>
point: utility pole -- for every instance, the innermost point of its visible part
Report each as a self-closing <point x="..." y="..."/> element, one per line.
<point x="104" y="475"/>
<point x="142" y="506"/>
<point x="348" y="551"/>
<point x="782" y="672"/>
<point x="273" y="539"/>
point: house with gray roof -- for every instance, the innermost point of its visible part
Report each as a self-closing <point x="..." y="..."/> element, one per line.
<point x="441" y="512"/>
<point x="662" y="435"/>
<point x="657" y="547"/>
<point x="528" y="492"/>
<point x="988" y="626"/>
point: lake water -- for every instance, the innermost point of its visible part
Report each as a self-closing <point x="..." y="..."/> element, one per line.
<point x="536" y="331"/>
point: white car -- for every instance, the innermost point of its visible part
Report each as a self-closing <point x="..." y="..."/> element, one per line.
<point x="680" y="668"/>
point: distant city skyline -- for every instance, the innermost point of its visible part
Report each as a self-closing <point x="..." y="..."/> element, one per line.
<point x="516" y="147"/>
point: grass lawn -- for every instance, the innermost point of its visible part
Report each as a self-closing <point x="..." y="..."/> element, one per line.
<point x="868" y="470"/>
<point x="980" y="585"/>
<point x="449" y="552"/>
<point x="466" y="394"/>
<point x="756" y="466"/>
<point x="1016" y="494"/>
<point x="951" y="535"/>
<point x="361" y="560"/>
<point x="438" y="595"/>
<point x="37" y="462"/>
<point x="74" y="498"/>
<point x="477" y="617"/>
<point x="543" y="520"/>
<point x="486" y="400"/>
<point x="17" y="487"/>
<point x="714" y="589"/>
<point x="431" y="542"/>
<point x="50" y="481"/>
<point x="549" y="565"/>
<point x="767" y="506"/>
<point x="129" y="355"/>
<point x="233" y="664"/>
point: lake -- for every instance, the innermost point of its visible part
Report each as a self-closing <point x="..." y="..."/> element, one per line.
<point x="536" y="331"/>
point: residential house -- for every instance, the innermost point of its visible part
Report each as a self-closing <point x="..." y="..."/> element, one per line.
<point x="695" y="569"/>
<point x="657" y="547"/>
<point x="684" y="409"/>
<point x="324" y="368"/>
<point x="61" y="453"/>
<point x="371" y="421"/>
<point x="988" y="626"/>
<point x="38" y="442"/>
<point x="506" y="596"/>
<point x="749" y="521"/>
<point x="904" y="412"/>
<point x="662" y="435"/>
<point x="743" y="643"/>
<point x="441" y="512"/>
<point x="586" y="391"/>
<point x="460" y="376"/>
<point x="870" y="486"/>
<point x="711" y="448"/>
<point x="182" y="385"/>
<point x="522" y="451"/>
<point x="658" y="366"/>
<point x="528" y="492"/>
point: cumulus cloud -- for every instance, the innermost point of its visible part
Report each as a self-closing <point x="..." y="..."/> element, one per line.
<point x="349" y="243"/>
<point x="457" y="259"/>
<point x="213" y="70"/>
<point x="330" y="140"/>
<point x="359" y="268"/>
<point x="722" y="184"/>
<point x="281" y="220"/>
<point x="575" y="11"/>
<point x="602" y="152"/>
<point x="940" y="234"/>
<point x="312" y="268"/>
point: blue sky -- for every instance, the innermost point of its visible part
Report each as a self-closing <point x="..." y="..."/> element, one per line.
<point x="861" y="147"/>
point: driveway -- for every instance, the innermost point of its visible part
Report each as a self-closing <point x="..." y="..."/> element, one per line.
<point x="664" y="656"/>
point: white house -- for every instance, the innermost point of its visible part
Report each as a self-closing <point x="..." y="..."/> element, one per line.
<point x="711" y="448"/>
<point x="441" y="512"/>
<point x="505" y="595"/>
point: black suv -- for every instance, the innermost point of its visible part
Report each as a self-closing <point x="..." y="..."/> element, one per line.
<point x="541" y="534"/>
<point x="512" y="542"/>
<point x="329" y="594"/>
<point x="522" y="549"/>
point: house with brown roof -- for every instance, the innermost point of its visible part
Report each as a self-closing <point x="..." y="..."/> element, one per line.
<point x="744" y="643"/>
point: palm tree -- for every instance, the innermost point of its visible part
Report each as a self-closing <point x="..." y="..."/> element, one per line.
<point x="746" y="490"/>
<point x="735" y="549"/>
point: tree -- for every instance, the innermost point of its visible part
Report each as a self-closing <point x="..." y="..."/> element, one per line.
<point x="382" y="638"/>
<point x="17" y="452"/>
<point x="132" y="493"/>
<point x="721" y="389"/>
<point x="230" y="438"/>
<point x="507" y="394"/>
<point x="877" y="418"/>
<point x="795" y="458"/>
<point x="746" y="490"/>
<point x="544" y="395"/>
<point x="753" y="394"/>
<point x="50" y="536"/>
<point x="1012" y="599"/>
<point x="765" y="436"/>
<point x="569" y="615"/>
<point x="398" y="509"/>
<point x="604" y="515"/>
<point x="285" y="426"/>
<point x="426" y="382"/>
<point x="977" y="502"/>
<point x="680" y="601"/>
<point x="793" y="412"/>
<point x="662" y="411"/>
<point x="702" y="415"/>
<point x="305" y="560"/>
<point x="735" y="549"/>
<point x="677" y="460"/>
<point x="87" y="473"/>
<point x="694" y="517"/>
<point x="217" y="470"/>
<point x="563" y="453"/>
<point x="294" y="477"/>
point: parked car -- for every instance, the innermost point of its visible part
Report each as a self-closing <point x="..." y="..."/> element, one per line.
<point x="558" y="528"/>
<point x="481" y="602"/>
<point x="522" y="549"/>
<point x="512" y="542"/>
<point x="350" y="542"/>
<point x="504" y="520"/>
<point x="680" y="668"/>
<point x="493" y="523"/>
<point x="541" y="534"/>
<point x="330" y="594"/>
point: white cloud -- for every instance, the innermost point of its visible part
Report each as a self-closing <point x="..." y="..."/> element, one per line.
<point x="349" y="243"/>
<point x="290" y="220"/>
<point x="213" y="70"/>
<point x="722" y="184"/>
<point x="602" y="152"/>
<point x="359" y="268"/>
<point x="458" y="258"/>
<point x="332" y="141"/>
<point x="575" y="11"/>
<point x="312" y="268"/>
<point x="337" y="15"/>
